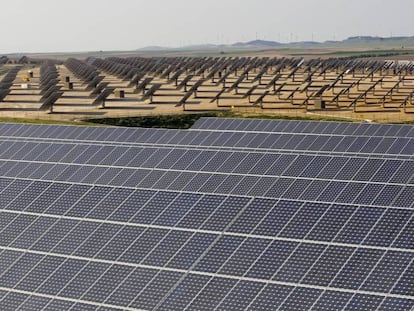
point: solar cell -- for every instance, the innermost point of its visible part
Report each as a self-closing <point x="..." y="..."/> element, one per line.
<point x="395" y="303"/>
<point x="329" y="299"/>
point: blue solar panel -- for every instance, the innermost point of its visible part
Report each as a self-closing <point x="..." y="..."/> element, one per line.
<point x="314" y="127"/>
<point x="338" y="142"/>
<point x="90" y="223"/>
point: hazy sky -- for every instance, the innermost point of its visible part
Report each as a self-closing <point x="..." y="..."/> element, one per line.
<point x="92" y="25"/>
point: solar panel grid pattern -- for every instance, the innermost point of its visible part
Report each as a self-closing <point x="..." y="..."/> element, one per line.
<point x="87" y="225"/>
<point x="365" y="133"/>
<point x="322" y="127"/>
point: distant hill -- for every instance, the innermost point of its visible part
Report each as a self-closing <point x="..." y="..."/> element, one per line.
<point x="375" y="39"/>
<point x="154" y="48"/>
<point x="258" y="43"/>
<point x="378" y="41"/>
<point x="356" y="41"/>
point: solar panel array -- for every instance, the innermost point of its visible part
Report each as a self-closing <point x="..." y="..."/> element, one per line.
<point x="230" y="215"/>
<point x="210" y="83"/>
<point x="268" y="83"/>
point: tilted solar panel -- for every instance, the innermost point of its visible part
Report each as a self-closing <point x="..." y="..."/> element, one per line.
<point x="318" y="143"/>
<point x="149" y="223"/>
<point x="310" y="127"/>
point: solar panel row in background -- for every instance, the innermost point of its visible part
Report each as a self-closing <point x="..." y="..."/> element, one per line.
<point x="90" y="224"/>
<point x="319" y="143"/>
<point x="311" y="127"/>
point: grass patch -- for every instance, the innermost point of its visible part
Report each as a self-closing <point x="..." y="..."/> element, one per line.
<point x="404" y="123"/>
<point x="181" y="121"/>
<point x="43" y="121"/>
<point x="297" y="118"/>
<point x="186" y="121"/>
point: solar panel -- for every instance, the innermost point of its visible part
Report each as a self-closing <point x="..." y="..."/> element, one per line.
<point x="311" y="127"/>
<point x="142" y="219"/>
<point x="352" y="145"/>
<point x="367" y="86"/>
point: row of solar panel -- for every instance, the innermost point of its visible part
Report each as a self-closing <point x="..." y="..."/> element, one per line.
<point x="134" y="287"/>
<point x="373" y="270"/>
<point x="380" y="227"/>
<point x="244" y="125"/>
<point x="198" y="248"/>
<point x="361" y="193"/>
<point x="219" y="139"/>
<point x="338" y="144"/>
<point x="314" y="127"/>
<point x="235" y="162"/>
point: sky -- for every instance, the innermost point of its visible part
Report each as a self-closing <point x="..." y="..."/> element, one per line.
<point x="108" y="25"/>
